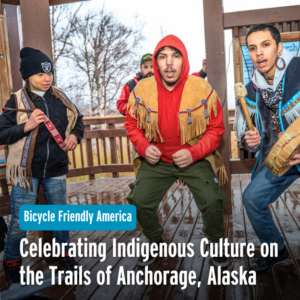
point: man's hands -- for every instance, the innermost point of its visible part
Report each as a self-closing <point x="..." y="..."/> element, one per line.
<point x="204" y="65"/>
<point x="71" y="142"/>
<point x="152" y="154"/>
<point x="295" y="159"/>
<point x="253" y="138"/>
<point x="183" y="158"/>
<point x="36" y="118"/>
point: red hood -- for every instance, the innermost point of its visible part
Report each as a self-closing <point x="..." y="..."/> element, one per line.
<point x="175" y="42"/>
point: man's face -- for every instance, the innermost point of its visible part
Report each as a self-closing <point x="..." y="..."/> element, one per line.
<point x="169" y="65"/>
<point x="147" y="69"/>
<point x="264" y="51"/>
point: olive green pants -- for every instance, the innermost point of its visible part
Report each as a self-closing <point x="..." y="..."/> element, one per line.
<point x="152" y="183"/>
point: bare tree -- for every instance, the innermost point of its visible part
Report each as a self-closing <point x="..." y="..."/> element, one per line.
<point x="105" y="51"/>
<point x="63" y="25"/>
<point x="161" y="32"/>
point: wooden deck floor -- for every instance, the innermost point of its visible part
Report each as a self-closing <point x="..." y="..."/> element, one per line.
<point x="182" y="223"/>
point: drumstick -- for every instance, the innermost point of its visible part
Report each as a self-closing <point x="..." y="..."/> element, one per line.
<point x="241" y="92"/>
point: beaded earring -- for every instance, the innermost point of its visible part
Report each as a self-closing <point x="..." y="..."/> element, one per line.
<point x="283" y="63"/>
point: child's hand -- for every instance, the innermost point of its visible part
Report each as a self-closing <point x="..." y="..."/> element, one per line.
<point x="71" y="142"/>
<point x="36" y="118"/>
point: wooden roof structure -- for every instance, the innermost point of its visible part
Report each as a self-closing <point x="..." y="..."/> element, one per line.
<point x="36" y="33"/>
<point x="35" y="29"/>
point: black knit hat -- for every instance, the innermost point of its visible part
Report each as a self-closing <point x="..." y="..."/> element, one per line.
<point x="34" y="61"/>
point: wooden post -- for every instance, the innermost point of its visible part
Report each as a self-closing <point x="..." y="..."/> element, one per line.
<point x="36" y="25"/>
<point x="14" y="45"/>
<point x="113" y="149"/>
<point x="5" y="70"/>
<point x="215" y="55"/>
<point x="1" y="8"/>
<point x="89" y="151"/>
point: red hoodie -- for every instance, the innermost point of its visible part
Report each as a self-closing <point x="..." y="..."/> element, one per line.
<point x="168" y="106"/>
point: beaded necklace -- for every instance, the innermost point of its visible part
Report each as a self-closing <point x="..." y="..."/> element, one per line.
<point x="269" y="78"/>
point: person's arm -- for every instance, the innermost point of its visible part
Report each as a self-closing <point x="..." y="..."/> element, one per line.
<point x="123" y="100"/>
<point x="202" y="72"/>
<point x="136" y="135"/>
<point x="10" y="131"/>
<point x="212" y="136"/>
<point x="79" y="127"/>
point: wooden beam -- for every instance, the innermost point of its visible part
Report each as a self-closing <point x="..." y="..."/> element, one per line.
<point x="5" y="69"/>
<point x="36" y="25"/>
<point x="238" y="60"/>
<point x="14" y="45"/>
<point x="57" y="2"/>
<point x="100" y="133"/>
<point x="269" y="15"/>
<point x="113" y="168"/>
<point x="1" y="8"/>
<point x="215" y="55"/>
<point x="12" y="2"/>
<point x="52" y="2"/>
<point x="244" y="166"/>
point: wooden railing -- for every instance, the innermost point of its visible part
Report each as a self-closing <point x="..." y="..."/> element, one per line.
<point x="105" y="148"/>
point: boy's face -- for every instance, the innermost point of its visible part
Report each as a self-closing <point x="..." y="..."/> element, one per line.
<point x="264" y="51"/>
<point x="169" y="64"/>
<point x="41" y="81"/>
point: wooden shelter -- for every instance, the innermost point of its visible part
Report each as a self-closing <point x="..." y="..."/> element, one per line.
<point x="36" y="32"/>
<point x="109" y="151"/>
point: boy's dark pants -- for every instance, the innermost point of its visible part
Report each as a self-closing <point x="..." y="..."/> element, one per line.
<point x="152" y="183"/>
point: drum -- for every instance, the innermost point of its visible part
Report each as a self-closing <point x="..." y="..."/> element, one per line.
<point x="289" y="142"/>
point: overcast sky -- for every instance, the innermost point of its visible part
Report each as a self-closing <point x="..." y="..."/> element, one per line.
<point x="183" y="18"/>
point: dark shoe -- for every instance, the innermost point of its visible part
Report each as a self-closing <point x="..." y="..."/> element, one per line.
<point x="131" y="185"/>
<point x="12" y="270"/>
<point x="265" y="263"/>
<point x="68" y="263"/>
<point x="221" y="260"/>
<point x="150" y="260"/>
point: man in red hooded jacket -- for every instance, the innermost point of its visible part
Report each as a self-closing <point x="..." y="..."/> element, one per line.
<point x="146" y="71"/>
<point x="202" y="72"/>
<point x="175" y="122"/>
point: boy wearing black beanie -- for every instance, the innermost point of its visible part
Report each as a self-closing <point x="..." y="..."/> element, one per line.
<point x="39" y="124"/>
